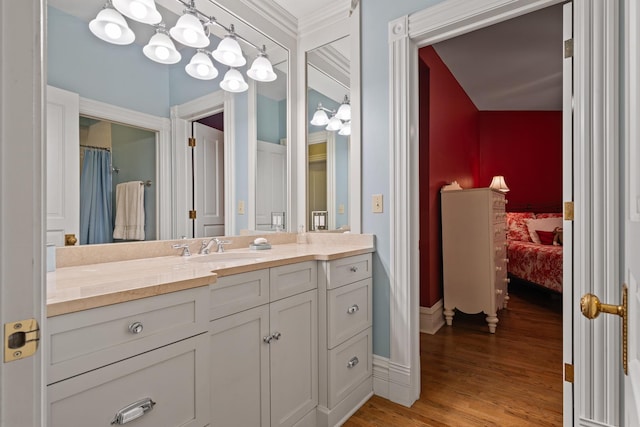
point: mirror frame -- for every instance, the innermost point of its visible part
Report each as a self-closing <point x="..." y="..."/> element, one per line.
<point x="340" y="25"/>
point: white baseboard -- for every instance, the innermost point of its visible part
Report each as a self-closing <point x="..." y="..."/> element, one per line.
<point x="392" y="381"/>
<point x="431" y="318"/>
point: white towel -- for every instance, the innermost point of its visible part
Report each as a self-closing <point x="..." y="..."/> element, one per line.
<point x="129" y="211"/>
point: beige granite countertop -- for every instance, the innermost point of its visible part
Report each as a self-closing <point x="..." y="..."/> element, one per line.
<point x="81" y="287"/>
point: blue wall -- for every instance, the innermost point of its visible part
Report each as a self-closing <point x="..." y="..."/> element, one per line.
<point x="272" y="122"/>
<point x="376" y="174"/>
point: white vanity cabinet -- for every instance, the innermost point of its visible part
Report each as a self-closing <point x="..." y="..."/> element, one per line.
<point x="142" y="360"/>
<point x="345" y="355"/>
<point x="264" y="347"/>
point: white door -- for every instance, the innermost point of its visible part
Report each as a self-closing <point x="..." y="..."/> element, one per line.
<point x="631" y="212"/>
<point x="22" y="205"/>
<point x="63" y="165"/>
<point x="271" y="183"/>
<point x="208" y="169"/>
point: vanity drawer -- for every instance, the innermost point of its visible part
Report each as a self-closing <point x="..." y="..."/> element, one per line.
<point x="349" y="364"/>
<point x="231" y="294"/>
<point x="348" y="311"/>
<point x="171" y="376"/>
<point x="348" y="270"/>
<point x="86" y="340"/>
<point x="293" y="279"/>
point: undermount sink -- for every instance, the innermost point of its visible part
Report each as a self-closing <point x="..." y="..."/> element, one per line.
<point x="224" y="257"/>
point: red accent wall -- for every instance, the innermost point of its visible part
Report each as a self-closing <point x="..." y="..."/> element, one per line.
<point x="449" y="149"/>
<point x="525" y="147"/>
<point x="458" y="142"/>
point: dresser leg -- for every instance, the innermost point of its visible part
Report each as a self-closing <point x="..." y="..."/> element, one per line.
<point x="448" y="316"/>
<point x="506" y="301"/>
<point x="492" y="321"/>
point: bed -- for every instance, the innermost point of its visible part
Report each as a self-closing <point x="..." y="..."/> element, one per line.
<point x="533" y="254"/>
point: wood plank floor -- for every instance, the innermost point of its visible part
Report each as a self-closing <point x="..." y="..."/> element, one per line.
<point x="473" y="378"/>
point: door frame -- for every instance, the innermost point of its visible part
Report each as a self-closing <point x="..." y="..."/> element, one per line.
<point x="595" y="205"/>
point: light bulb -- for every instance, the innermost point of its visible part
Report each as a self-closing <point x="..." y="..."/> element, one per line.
<point x="113" y="31"/>
<point x="234" y="85"/>
<point x="138" y="10"/>
<point x="162" y="52"/>
<point x="202" y="70"/>
<point x="189" y="35"/>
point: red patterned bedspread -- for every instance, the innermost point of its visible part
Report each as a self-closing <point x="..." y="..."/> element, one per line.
<point x="540" y="264"/>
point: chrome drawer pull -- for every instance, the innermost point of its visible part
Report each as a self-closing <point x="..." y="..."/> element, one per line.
<point x="136" y="327"/>
<point x="353" y="362"/>
<point x="354" y="268"/>
<point x="274" y="336"/>
<point x="353" y="309"/>
<point x="133" y="411"/>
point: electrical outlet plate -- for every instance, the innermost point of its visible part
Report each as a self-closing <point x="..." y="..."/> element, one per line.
<point x="240" y="207"/>
<point x="376" y="203"/>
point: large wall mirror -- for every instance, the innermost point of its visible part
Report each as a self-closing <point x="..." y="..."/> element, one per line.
<point x="199" y="191"/>
<point x="332" y="156"/>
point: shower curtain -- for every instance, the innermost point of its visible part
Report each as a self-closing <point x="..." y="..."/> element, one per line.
<point x="95" y="197"/>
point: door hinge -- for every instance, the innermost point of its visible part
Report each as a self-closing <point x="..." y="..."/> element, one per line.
<point x="568" y="211"/>
<point x="568" y="48"/>
<point x="192" y="214"/>
<point x="191" y="142"/>
<point x="20" y="339"/>
<point x="568" y="373"/>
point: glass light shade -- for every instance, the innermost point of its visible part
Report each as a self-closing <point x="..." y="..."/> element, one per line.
<point x="233" y="81"/>
<point x="320" y="117"/>
<point x="345" y="129"/>
<point x="334" y="124"/>
<point x="189" y="31"/>
<point x="139" y="10"/>
<point x="229" y="53"/>
<point x="498" y="183"/>
<point x="161" y="49"/>
<point x="111" y="27"/>
<point x="201" y="67"/>
<point x="344" y="111"/>
<point x="262" y="70"/>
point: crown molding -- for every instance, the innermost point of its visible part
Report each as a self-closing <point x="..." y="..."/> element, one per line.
<point x="274" y="12"/>
<point x="325" y="17"/>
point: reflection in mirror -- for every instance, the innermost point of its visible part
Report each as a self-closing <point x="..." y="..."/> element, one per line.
<point x="123" y="77"/>
<point x="117" y="173"/>
<point x="328" y="93"/>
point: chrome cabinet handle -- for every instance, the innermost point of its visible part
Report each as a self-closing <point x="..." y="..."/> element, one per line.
<point x="136" y="328"/>
<point x="353" y="309"/>
<point x="354" y="268"/>
<point x="267" y="339"/>
<point x="353" y="362"/>
<point x="133" y="411"/>
<point x="274" y="336"/>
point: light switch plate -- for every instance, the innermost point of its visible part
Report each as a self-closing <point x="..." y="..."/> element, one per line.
<point x="240" y="207"/>
<point x="376" y="203"/>
<point x="341" y="209"/>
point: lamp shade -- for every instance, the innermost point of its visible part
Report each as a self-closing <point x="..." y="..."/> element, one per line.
<point x="344" y="111"/>
<point x="201" y="67"/>
<point x="261" y="70"/>
<point x="189" y="31"/>
<point x="229" y="53"/>
<point x="233" y="81"/>
<point x="334" y="124"/>
<point x="139" y="10"/>
<point x="161" y="49"/>
<point x="345" y="129"/>
<point x="111" y="27"/>
<point x="320" y="117"/>
<point x="498" y="183"/>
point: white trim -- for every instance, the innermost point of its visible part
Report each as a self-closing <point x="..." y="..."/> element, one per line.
<point x="381" y="376"/>
<point x="252" y="154"/>
<point x="323" y="18"/>
<point x="181" y="116"/>
<point x="162" y="127"/>
<point x="632" y="99"/>
<point x="331" y="179"/>
<point x="432" y="318"/>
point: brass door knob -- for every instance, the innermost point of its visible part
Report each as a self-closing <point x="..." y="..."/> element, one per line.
<point x="591" y="307"/>
<point x="70" y="240"/>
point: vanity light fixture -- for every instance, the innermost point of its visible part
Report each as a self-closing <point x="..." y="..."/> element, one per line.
<point x="201" y="67"/>
<point x="233" y="81"/>
<point x="160" y="47"/>
<point x="139" y="10"/>
<point x="320" y="117"/>
<point x="111" y="27"/>
<point x="334" y="124"/>
<point x="193" y="30"/>
<point x="339" y="121"/>
<point x="345" y="129"/>
<point x="344" y="111"/>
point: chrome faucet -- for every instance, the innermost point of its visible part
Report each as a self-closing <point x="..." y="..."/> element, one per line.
<point x="205" y="249"/>
<point x="184" y="247"/>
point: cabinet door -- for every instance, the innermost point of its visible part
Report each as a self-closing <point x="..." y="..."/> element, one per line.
<point x="239" y="366"/>
<point x="294" y="358"/>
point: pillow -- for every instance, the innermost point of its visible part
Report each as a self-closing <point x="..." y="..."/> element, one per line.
<point x="549" y="215"/>
<point x="546" y="237"/>
<point x="544" y="224"/>
<point x="517" y="226"/>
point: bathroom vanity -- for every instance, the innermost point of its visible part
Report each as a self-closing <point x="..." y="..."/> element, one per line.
<point x="280" y="337"/>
